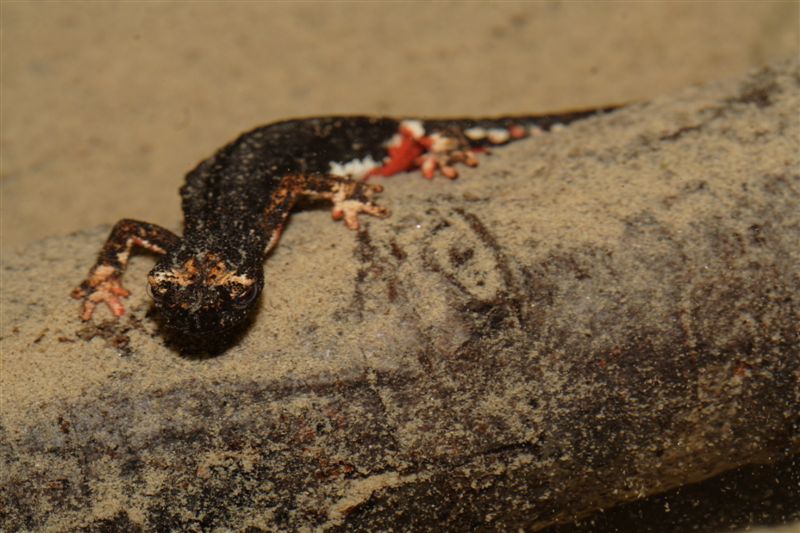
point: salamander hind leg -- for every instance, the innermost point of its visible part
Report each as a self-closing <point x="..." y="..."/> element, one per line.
<point x="104" y="283"/>
<point x="431" y="150"/>
<point x="349" y="197"/>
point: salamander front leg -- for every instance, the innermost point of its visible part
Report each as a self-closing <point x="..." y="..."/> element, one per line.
<point x="349" y="197"/>
<point x="104" y="283"/>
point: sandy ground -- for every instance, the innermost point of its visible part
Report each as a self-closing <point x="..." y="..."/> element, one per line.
<point x="106" y="106"/>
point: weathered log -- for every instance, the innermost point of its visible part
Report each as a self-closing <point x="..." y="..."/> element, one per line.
<point x="592" y="316"/>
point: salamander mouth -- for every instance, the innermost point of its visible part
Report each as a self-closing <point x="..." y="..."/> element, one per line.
<point x="202" y="322"/>
<point x="203" y="333"/>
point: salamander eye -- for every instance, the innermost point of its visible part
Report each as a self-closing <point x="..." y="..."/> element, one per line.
<point x="246" y="297"/>
<point x="155" y="295"/>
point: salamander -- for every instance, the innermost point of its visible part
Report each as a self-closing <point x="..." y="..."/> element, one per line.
<point x="237" y="202"/>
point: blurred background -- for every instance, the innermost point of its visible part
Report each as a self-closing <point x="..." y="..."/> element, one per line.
<point x="105" y="106"/>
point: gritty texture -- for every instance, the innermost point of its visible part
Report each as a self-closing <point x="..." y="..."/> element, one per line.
<point x="593" y="316"/>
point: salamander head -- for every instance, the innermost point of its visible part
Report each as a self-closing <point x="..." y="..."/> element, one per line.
<point x="203" y="294"/>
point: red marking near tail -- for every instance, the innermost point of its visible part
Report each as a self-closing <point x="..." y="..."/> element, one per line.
<point x="402" y="157"/>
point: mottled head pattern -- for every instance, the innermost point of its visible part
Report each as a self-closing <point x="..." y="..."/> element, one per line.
<point x="204" y="293"/>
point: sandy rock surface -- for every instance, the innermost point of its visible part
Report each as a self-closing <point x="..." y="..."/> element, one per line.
<point x="591" y="316"/>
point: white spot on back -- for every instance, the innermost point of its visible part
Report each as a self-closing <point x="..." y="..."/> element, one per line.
<point x="498" y="135"/>
<point x="356" y="168"/>
<point x="475" y="134"/>
<point x="414" y="127"/>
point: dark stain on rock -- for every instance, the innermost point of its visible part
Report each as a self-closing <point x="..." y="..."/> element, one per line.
<point x="431" y="264"/>
<point x="757" y="234"/>
<point x="486" y="236"/>
<point x="761" y="93"/>
<point x="41" y="336"/>
<point x="376" y="264"/>
<point x="365" y="253"/>
<point x="439" y="226"/>
<point x="459" y="256"/>
<point x="680" y="132"/>
<point x="396" y="250"/>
